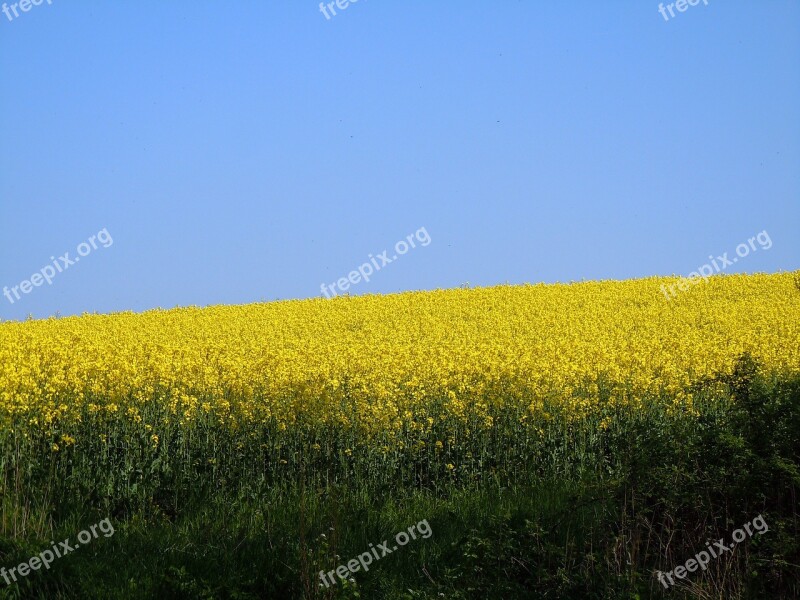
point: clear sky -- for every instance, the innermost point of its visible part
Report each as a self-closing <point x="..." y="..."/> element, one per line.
<point x="244" y="151"/>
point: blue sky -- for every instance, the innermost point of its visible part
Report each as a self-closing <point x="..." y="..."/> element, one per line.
<point x="247" y="151"/>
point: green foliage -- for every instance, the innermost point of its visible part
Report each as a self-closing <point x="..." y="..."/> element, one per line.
<point x="582" y="509"/>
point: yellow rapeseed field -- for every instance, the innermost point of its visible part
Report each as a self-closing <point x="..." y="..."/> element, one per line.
<point x="382" y="359"/>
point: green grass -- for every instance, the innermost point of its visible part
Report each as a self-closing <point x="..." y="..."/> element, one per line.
<point x="575" y="511"/>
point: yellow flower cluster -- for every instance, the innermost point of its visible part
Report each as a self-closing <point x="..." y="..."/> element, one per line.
<point x="374" y="361"/>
